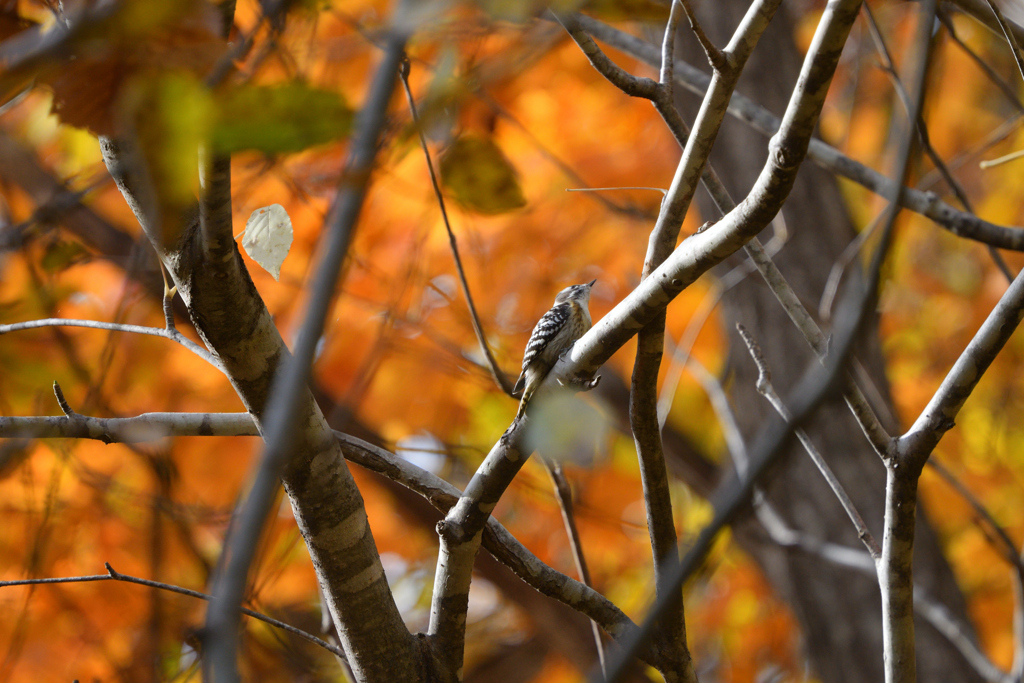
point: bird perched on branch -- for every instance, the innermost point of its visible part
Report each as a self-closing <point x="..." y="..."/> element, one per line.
<point x="555" y="333"/>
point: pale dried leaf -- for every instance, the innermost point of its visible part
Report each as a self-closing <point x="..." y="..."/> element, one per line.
<point x="268" y="237"/>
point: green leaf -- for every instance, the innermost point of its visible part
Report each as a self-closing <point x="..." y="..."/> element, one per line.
<point x="60" y="255"/>
<point x="480" y="177"/>
<point x="279" y="119"/>
<point x="173" y="115"/>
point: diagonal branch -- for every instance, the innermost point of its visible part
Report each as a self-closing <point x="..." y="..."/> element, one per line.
<point x="990" y="73"/>
<point x="1008" y="34"/>
<point x="922" y="132"/>
<point x="460" y="530"/>
<point x="113" y="575"/>
<point x="497" y="540"/>
<point x="927" y="204"/>
<point x="766" y="389"/>
<point x="499" y="376"/>
<point x="981" y="11"/>
<point x="939" y="415"/>
<point x="563" y="494"/>
<point x="283" y="415"/>
<point x="691" y="169"/>
<point x="167" y="333"/>
<point x="718" y="59"/>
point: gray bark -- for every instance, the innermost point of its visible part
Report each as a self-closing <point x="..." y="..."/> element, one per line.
<point x="839" y="609"/>
<point x="233" y="322"/>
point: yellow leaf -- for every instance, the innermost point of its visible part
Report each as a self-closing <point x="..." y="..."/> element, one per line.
<point x="480" y="177"/>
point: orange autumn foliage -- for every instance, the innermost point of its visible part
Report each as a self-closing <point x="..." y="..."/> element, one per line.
<point x="399" y="350"/>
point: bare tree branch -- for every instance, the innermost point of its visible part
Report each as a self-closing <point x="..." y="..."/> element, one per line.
<point x="170" y="333"/>
<point x="766" y="389"/>
<point x="780" y="532"/>
<point x="990" y="73"/>
<point x="500" y="378"/>
<point x="112" y="575"/>
<point x="718" y="59"/>
<point x="563" y="494"/>
<point x="459" y="532"/>
<point x="938" y="417"/>
<point x="895" y="576"/>
<point x="283" y="413"/>
<point x="818" y="67"/>
<point x="644" y="419"/>
<point x="442" y="495"/>
<point x="927" y="204"/>
<point x="990" y="16"/>
<point x="922" y="132"/>
<point x="138" y="429"/>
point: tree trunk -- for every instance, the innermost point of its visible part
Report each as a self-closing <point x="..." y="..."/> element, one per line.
<point x="838" y="608"/>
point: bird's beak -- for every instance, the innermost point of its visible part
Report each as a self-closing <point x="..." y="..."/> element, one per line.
<point x="591" y="283"/>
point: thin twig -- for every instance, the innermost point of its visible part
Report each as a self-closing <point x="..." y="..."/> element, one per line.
<point x="62" y="402"/>
<point x="1001" y="539"/>
<point x="630" y="210"/>
<point x="171" y="334"/>
<point x="113" y="575"/>
<point x="997" y="135"/>
<point x="997" y="536"/>
<point x="922" y="130"/>
<point x="767" y="389"/>
<point x="1011" y="40"/>
<point x="668" y="49"/>
<point x="499" y="376"/>
<point x="563" y="494"/>
<point x="997" y="80"/>
<point x="663" y="191"/>
<point x="679" y="355"/>
<point x="1002" y="160"/>
<point x="835" y="275"/>
<point x="438" y="492"/>
<point x="716" y="57"/>
<point x="760" y="119"/>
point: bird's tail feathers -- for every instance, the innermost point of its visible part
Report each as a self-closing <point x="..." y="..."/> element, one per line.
<point x="517" y="390"/>
<point x="523" y="402"/>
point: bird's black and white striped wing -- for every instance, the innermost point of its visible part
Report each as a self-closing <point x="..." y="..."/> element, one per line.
<point x="548" y="327"/>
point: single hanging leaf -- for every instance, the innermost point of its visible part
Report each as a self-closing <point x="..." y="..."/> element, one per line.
<point x="480" y="177"/>
<point x="279" y="119"/>
<point x="61" y="255"/>
<point x="268" y="237"/>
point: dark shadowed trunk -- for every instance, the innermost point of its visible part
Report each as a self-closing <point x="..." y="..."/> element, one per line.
<point x="838" y="608"/>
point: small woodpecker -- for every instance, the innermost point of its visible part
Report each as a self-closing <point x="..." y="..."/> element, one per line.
<point x="555" y="333"/>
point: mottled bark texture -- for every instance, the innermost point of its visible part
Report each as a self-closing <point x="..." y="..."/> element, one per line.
<point x="230" y="316"/>
<point x="839" y="609"/>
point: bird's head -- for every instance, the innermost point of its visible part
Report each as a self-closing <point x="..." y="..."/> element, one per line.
<point x="578" y="293"/>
